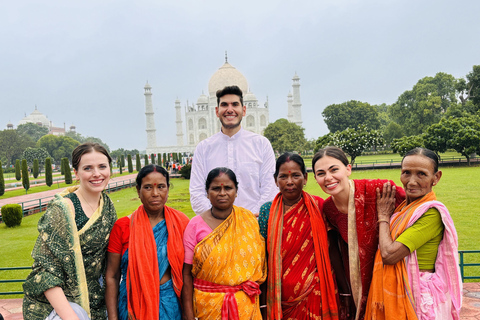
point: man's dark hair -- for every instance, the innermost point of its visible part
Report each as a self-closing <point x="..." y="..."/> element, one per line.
<point x="230" y="90"/>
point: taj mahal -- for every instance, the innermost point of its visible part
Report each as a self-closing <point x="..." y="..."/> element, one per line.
<point x="201" y="120"/>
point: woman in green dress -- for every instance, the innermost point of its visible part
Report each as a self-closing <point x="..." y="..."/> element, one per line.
<point x="69" y="256"/>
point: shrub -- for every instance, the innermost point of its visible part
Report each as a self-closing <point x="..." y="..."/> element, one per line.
<point x="121" y="163"/>
<point x="152" y="157"/>
<point x="18" y="175"/>
<point x="2" y="180"/>
<point x="68" y="172"/>
<point x="62" y="166"/>
<point x="25" y="177"/>
<point x="35" y="168"/>
<point x="138" y="165"/>
<point x="48" y="172"/>
<point x="130" y="165"/>
<point x="185" y="171"/>
<point x="12" y="215"/>
<point x="146" y="159"/>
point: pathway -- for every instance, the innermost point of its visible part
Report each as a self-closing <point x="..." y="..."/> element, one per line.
<point x="11" y="309"/>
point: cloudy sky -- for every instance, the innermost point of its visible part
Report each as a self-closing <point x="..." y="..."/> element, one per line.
<point x="86" y="62"/>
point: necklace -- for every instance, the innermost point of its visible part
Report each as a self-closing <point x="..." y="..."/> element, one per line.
<point x="93" y="210"/>
<point x="211" y="211"/>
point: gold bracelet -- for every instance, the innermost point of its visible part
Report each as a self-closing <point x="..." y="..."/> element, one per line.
<point x="383" y="220"/>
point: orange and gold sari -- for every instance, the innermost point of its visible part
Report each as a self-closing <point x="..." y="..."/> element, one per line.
<point x="300" y="280"/>
<point x="228" y="266"/>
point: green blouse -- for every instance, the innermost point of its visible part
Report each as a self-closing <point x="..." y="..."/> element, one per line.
<point x="424" y="236"/>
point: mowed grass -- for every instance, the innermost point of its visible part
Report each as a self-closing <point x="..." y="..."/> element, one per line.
<point x="458" y="189"/>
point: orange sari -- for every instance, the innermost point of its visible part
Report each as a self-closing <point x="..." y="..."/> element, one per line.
<point x="227" y="264"/>
<point x="390" y="294"/>
<point x="300" y="281"/>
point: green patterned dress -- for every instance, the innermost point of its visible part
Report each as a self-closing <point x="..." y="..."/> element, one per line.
<point x="69" y="258"/>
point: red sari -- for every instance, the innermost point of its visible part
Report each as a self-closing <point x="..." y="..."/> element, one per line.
<point x="303" y="287"/>
<point x="365" y="202"/>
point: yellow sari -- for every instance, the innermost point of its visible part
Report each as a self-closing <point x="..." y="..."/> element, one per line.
<point x="232" y="255"/>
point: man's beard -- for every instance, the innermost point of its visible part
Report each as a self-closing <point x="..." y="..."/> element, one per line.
<point x="229" y="126"/>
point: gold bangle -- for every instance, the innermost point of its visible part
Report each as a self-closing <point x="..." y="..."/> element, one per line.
<point x="383" y="220"/>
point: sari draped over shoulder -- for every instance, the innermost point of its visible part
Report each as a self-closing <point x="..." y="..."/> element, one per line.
<point x="143" y="272"/>
<point x="300" y="280"/>
<point x="359" y="231"/>
<point x="397" y="290"/>
<point x="228" y="267"/>
<point x="69" y="258"/>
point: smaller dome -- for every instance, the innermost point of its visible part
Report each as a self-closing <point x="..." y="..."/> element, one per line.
<point x="203" y="99"/>
<point x="36" y="117"/>
<point x="147" y="86"/>
<point x="9" y="125"/>
<point x="249" y="97"/>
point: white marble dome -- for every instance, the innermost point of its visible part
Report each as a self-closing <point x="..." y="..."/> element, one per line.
<point x="249" y="97"/>
<point x="226" y="75"/>
<point x="36" y="117"/>
<point x="203" y="99"/>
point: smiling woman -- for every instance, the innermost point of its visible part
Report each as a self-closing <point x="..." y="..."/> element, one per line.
<point x="70" y="251"/>
<point x="353" y="231"/>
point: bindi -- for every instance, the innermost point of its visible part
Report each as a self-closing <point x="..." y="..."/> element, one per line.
<point x="221" y="184"/>
<point x="154" y="184"/>
<point x="289" y="171"/>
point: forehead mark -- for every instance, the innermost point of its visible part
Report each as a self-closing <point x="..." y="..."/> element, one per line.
<point x="154" y="184"/>
<point x="289" y="171"/>
<point x="221" y="184"/>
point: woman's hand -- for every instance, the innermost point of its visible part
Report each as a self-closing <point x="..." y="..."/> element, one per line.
<point x="385" y="202"/>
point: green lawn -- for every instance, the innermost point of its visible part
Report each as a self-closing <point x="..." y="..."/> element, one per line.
<point x="458" y="189"/>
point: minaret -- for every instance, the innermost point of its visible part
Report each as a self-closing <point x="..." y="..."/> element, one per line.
<point x="178" y="110"/>
<point x="151" y="131"/>
<point x="296" y="105"/>
<point x="290" y="108"/>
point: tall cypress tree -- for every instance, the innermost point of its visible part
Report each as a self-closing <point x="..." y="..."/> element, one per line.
<point x="25" y="176"/>
<point x="130" y="164"/>
<point x="121" y="164"/>
<point x="62" y="166"/>
<point x="18" y="175"/>
<point x="146" y="159"/>
<point x="2" y="180"/>
<point x="138" y="164"/>
<point x="35" y="168"/>
<point x="68" y="173"/>
<point x="48" y="172"/>
<point x="152" y="158"/>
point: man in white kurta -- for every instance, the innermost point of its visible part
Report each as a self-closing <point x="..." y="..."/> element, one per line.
<point x="247" y="154"/>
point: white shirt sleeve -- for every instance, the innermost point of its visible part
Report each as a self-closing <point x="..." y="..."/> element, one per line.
<point x="198" y="195"/>
<point x="268" y="187"/>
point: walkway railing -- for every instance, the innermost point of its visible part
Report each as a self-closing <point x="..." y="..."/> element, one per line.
<point x="462" y="253"/>
<point x="13" y="280"/>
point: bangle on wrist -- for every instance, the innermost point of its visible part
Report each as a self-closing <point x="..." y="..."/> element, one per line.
<point x="345" y="294"/>
<point x="383" y="220"/>
<point x="264" y="306"/>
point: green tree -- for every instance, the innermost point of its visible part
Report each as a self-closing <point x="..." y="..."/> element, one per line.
<point x="152" y="158"/>
<point x="130" y="164"/>
<point x="323" y="141"/>
<point x="35" y="168"/>
<point x="25" y="176"/>
<point x="350" y="114"/>
<point x="473" y="78"/>
<point x="99" y="141"/>
<point x="58" y="146"/>
<point x="2" y="181"/>
<point x="62" y="166"/>
<point x="12" y="145"/>
<point x="145" y="159"/>
<point x="404" y="144"/>
<point x="417" y="109"/>
<point x="75" y="136"/>
<point x="285" y="136"/>
<point x="138" y="164"/>
<point x="18" y="174"/>
<point x="48" y="172"/>
<point x="355" y="141"/>
<point x="32" y="130"/>
<point x="35" y="153"/>
<point x="392" y="131"/>
<point x="67" y="171"/>
<point x="461" y="134"/>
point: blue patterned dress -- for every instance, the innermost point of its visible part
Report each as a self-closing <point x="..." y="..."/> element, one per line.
<point x="169" y="306"/>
